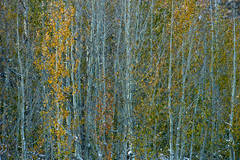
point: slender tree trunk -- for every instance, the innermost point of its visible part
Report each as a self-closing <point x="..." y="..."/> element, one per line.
<point x="99" y="77"/>
<point x="116" y="147"/>
<point x="104" y="69"/>
<point x="179" y="125"/>
<point x="232" y="152"/>
<point x="90" y="63"/>
<point x="170" y="87"/>
<point x="74" y="132"/>
<point x="77" y="96"/>
<point x="22" y="90"/>
<point x="212" y="80"/>
<point x="128" y="105"/>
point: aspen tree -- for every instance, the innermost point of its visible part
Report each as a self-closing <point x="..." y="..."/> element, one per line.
<point x="231" y="147"/>
<point x="90" y="73"/>
<point x="119" y="79"/>
<point x="77" y="81"/>
<point x="170" y="86"/>
<point x="22" y="90"/>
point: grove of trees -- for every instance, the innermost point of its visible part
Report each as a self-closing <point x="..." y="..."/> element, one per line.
<point x="120" y="79"/>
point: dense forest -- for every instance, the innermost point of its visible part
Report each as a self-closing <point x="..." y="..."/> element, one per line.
<point x="120" y="79"/>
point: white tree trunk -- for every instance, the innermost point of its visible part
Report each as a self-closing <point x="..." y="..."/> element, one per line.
<point x="232" y="152"/>
<point x="22" y="90"/>
<point x="169" y="89"/>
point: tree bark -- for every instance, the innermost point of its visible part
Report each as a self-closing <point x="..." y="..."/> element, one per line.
<point x="170" y="110"/>
<point x="22" y="90"/>
<point x="232" y="152"/>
